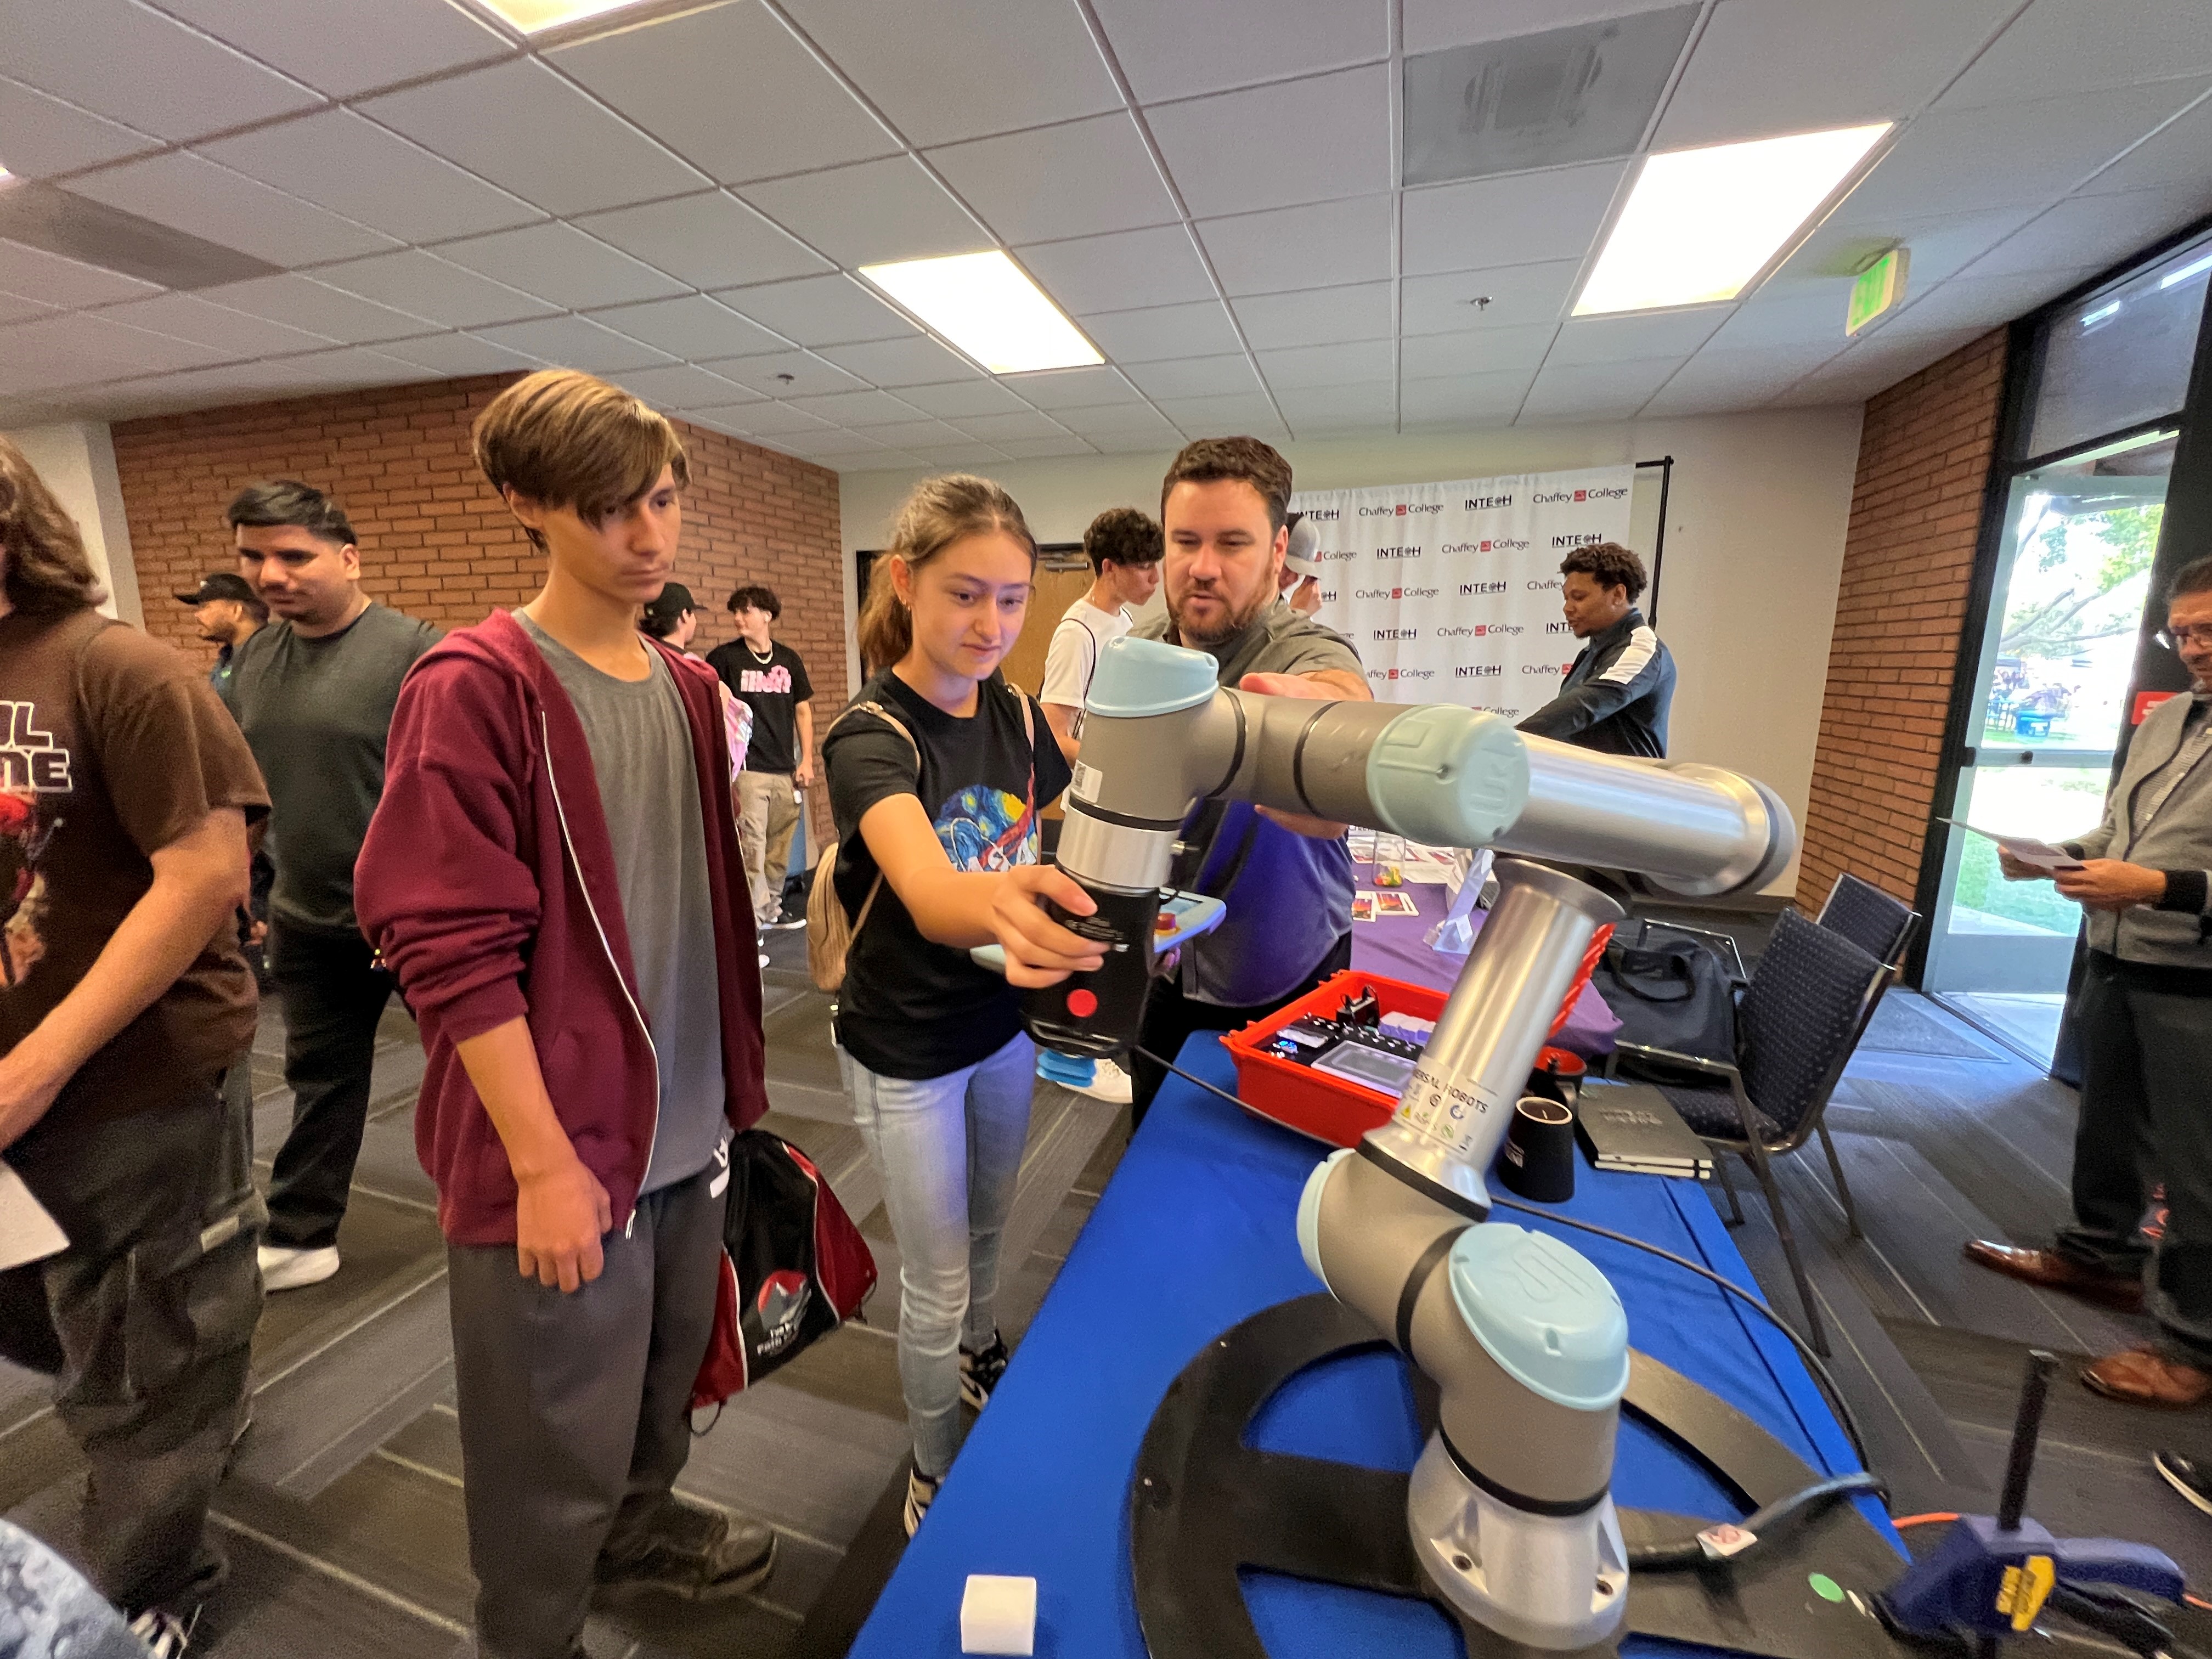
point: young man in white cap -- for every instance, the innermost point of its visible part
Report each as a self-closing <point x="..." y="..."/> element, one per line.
<point x="1299" y="585"/>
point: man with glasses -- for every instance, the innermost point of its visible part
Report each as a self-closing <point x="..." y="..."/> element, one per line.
<point x="2144" y="1012"/>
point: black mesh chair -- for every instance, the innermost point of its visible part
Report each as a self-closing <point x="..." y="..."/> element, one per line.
<point x="1799" y="1017"/>
<point x="1879" y="925"/>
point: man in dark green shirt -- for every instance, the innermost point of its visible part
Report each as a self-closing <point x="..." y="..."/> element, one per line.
<point x="314" y="693"/>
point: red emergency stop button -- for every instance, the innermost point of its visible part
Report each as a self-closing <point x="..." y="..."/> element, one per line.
<point x="1082" y="1004"/>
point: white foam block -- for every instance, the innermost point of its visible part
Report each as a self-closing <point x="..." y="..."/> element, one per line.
<point x="998" y="1615"/>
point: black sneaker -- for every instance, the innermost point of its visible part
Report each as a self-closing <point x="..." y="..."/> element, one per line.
<point x="2187" y="1476"/>
<point x="979" y="1372"/>
<point x="698" y="1554"/>
<point x="920" y="1493"/>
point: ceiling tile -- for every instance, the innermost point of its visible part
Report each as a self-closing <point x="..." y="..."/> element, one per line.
<point x="1593" y="340"/>
<point x="523" y="127"/>
<point x="1308" y="367"/>
<point x="1353" y="406"/>
<point x="694" y="328"/>
<point x="966" y="453"/>
<point x="343" y="48"/>
<point x="455" y="354"/>
<point x="1595" y="390"/>
<point x="1195" y="377"/>
<point x="1120" y="272"/>
<point x="1196" y="330"/>
<point x="1077" y="180"/>
<point x="730" y="89"/>
<point x="2178" y="153"/>
<point x="574" y="342"/>
<point x="1250" y="413"/>
<point x="1874" y="364"/>
<point x="2082" y="46"/>
<point x="1117" y="420"/>
<point x="1139" y="443"/>
<point x="81" y="349"/>
<point x="918" y="435"/>
<point x="810" y="375"/>
<point x="1018" y="62"/>
<point x="48" y="278"/>
<point x="919" y="361"/>
<point x="1519" y="296"/>
<point x="39" y="136"/>
<point x="339" y="160"/>
<point x="191" y="194"/>
<point x="1025" y="423"/>
<point x="131" y="63"/>
<point x="1766" y="67"/>
<point x="304" y="303"/>
<point x="1430" y="24"/>
<point x="958" y="399"/>
<point x="344" y="369"/>
<point x="1791" y="316"/>
<point x="1717" y="379"/>
<point x="1322" y="245"/>
<point x="1278" y="146"/>
<point x="1058" y="389"/>
<point x="815" y="311"/>
<point x="1166" y="54"/>
<point x="837" y="446"/>
<point x="858" y="408"/>
<point x="560" y="264"/>
<point x="1979" y="300"/>
<point x="710" y="241"/>
<point x="1476" y="351"/>
<point x="1960" y="160"/>
<point x="234" y="334"/>
<point x="771" y="420"/>
<point x="1941" y="246"/>
<point x="423" y="285"/>
<point x="680" y="386"/>
<point x="1024" y="449"/>
<point x="2095" y="230"/>
<point x="14" y="309"/>
<point x="1320" y="316"/>
<point x="871" y="214"/>
<point x="1532" y="215"/>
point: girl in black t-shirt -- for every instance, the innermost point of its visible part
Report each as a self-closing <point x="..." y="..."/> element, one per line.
<point x="936" y="779"/>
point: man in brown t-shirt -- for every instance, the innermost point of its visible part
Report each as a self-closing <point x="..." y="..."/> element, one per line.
<point x="125" y="792"/>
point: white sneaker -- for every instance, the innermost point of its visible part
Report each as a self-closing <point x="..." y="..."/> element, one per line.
<point x="1108" y="1083"/>
<point x="284" y="1268"/>
<point x="164" y="1634"/>
<point x="763" y="957"/>
<point x="920" y="1493"/>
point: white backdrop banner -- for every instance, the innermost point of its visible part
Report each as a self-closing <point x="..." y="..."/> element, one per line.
<point x="1450" y="592"/>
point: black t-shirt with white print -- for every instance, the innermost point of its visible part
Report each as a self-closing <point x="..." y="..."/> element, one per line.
<point x="909" y="1008"/>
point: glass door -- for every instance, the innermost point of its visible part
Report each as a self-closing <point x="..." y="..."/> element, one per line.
<point x="2050" y="701"/>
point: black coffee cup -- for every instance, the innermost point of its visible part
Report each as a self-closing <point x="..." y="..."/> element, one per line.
<point x="1538" y="1159"/>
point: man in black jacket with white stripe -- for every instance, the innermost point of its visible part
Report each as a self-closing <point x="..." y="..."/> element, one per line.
<point x="1615" y="697"/>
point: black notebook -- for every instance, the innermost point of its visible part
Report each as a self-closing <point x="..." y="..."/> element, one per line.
<point x="1631" y="1126"/>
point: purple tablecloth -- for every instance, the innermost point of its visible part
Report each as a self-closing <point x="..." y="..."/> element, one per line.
<point x="1392" y="946"/>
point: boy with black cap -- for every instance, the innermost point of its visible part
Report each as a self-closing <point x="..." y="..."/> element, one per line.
<point x="230" y="613"/>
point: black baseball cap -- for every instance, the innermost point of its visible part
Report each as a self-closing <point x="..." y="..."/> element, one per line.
<point x="671" y="602"/>
<point x="222" y="584"/>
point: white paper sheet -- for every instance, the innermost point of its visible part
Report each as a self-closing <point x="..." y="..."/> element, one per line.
<point x="2028" y="850"/>
<point x="27" y="1233"/>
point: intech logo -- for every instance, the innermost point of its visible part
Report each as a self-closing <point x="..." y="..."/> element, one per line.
<point x="1397" y="552"/>
<point x="1558" y="628"/>
<point x="1577" y="541"/>
<point x="1397" y="633"/>
<point x="1324" y="515"/>
<point x="1496" y="545"/>
<point x="1487" y="503"/>
<point x="1329" y="595"/>
<point x="1477" y="670"/>
<point x="1476" y="590"/>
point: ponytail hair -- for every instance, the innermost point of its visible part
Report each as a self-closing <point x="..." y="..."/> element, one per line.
<point x="936" y="513"/>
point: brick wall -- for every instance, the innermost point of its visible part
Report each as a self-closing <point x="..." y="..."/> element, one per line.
<point x="437" y="544"/>
<point x="1924" y="458"/>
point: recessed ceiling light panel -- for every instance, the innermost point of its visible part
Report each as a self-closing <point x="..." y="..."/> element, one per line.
<point x="1701" y="223"/>
<point x="986" y="305"/>
<point x="535" y="16"/>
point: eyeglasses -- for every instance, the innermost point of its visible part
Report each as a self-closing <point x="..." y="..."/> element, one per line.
<point x="2174" y="638"/>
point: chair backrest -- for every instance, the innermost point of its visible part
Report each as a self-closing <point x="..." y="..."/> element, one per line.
<point x="1879" y="925"/>
<point x="1801" y="1018"/>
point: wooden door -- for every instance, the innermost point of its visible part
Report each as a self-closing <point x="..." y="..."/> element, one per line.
<point x="1057" y="590"/>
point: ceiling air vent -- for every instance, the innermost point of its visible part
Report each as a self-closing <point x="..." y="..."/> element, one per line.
<point x="1581" y="93"/>
<point x="94" y="233"/>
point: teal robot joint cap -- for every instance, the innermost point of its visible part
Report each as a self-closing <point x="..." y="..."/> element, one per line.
<point x="1544" y="1313"/>
<point x="1137" y="678"/>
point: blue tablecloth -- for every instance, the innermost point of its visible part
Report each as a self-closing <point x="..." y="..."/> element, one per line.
<point x="1197" y="1232"/>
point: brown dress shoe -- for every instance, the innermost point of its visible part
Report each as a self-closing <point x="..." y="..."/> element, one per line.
<point x="2143" y="1377"/>
<point x="2056" y="1273"/>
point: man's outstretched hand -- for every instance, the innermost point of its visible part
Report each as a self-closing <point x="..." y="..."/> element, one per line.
<point x="1316" y="691"/>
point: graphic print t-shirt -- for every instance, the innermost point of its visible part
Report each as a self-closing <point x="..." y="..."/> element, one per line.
<point x="774" y="689"/>
<point x="112" y="747"/>
<point x="909" y="1008"/>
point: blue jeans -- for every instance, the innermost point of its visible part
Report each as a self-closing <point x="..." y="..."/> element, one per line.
<point x="949" y="1150"/>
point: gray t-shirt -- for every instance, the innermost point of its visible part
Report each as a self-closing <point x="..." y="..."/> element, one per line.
<point x="316" y="713"/>
<point x="1289" y="895"/>
<point x="649" y="790"/>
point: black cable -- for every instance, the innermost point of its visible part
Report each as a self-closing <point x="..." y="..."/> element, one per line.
<point x="1814" y="1363"/>
<point x="1689" y="1553"/>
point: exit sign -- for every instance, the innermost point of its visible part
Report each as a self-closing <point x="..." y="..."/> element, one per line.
<point x="1878" y="288"/>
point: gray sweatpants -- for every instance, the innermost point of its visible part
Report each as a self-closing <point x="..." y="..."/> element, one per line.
<point x="145" y="1322"/>
<point x="574" y="1410"/>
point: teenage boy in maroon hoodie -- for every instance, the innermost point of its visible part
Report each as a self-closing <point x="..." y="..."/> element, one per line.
<point x="554" y="875"/>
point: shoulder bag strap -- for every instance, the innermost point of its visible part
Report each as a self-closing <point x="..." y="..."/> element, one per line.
<point x="898" y="726"/>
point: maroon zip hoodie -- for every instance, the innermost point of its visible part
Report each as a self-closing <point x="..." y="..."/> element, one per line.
<point x="488" y="883"/>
